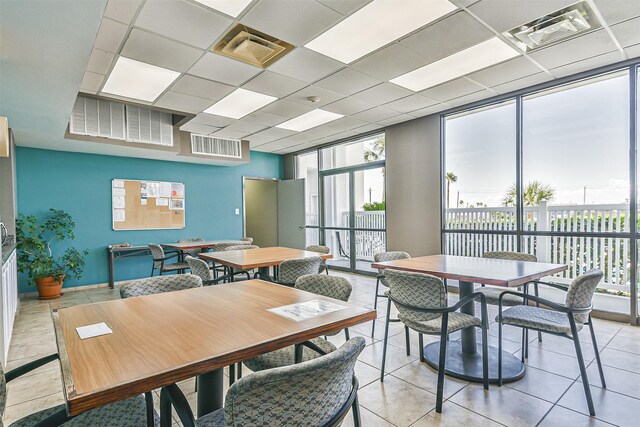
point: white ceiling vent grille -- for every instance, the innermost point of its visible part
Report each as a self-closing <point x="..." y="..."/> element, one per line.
<point x="149" y="126"/>
<point x="220" y="147"/>
<point x="97" y="118"/>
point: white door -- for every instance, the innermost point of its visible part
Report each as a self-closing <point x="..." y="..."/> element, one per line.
<point x="291" y="220"/>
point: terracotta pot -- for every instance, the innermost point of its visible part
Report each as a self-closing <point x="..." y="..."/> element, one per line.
<point x="49" y="287"/>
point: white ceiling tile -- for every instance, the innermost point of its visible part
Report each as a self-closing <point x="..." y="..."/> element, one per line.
<point x="627" y="32"/>
<point x="340" y="125"/>
<point x="507" y="71"/>
<point x="293" y="140"/>
<point x="99" y="61"/>
<point x="357" y="131"/>
<point x="274" y="84"/>
<point x="203" y="88"/>
<point x="183" y="21"/>
<point x="326" y="96"/>
<point x="276" y="133"/>
<point x="348" y="106"/>
<point x="110" y="35"/>
<point x="223" y="69"/>
<point x="294" y="21"/>
<point x="450" y="90"/>
<point x="467" y="99"/>
<point x="522" y="83"/>
<point x="429" y="110"/>
<point x="122" y="10"/>
<point x="242" y="126"/>
<point x="289" y="109"/>
<point x="382" y="94"/>
<point x="633" y="51"/>
<point x="213" y="120"/>
<point x="160" y="51"/>
<point x="503" y="15"/>
<point x="347" y="82"/>
<point x="91" y="82"/>
<point x="231" y="134"/>
<point x="588" y="64"/>
<point x="345" y="7"/>
<point x="181" y="102"/>
<point x="463" y="3"/>
<point x="615" y="11"/>
<point x="395" y="120"/>
<point x="257" y="139"/>
<point x="375" y="114"/>
<point x="437" y="41"/>
<point x="306" y="65"/>
<point x="390" y="62"/>
<point x="262" y="118"/>
<point x="573" y="50"/>
<point x="410" y="103"/>
<point x="198" y="128"/>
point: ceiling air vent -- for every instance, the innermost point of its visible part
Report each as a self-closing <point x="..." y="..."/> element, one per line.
<point x="95" y="117"/>
<point x="220" y="147"/>
<point x="557" y="26"/>
<point x="251" y="46"/>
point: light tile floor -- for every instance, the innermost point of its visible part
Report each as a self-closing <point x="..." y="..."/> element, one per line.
<point x="550" y="394"/>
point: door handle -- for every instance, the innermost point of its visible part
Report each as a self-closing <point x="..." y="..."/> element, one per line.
<point x="301" y="227"/>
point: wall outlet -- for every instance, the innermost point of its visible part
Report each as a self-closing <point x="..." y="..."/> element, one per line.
<point x="237" y="211"/>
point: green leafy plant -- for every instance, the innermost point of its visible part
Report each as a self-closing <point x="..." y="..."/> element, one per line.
<point x="34" y="242"/>
<point x="375" y="206"/>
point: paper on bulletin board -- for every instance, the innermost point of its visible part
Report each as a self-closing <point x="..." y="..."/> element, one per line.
<point x="165" y="189"/>
<point x="118" y="215"/>
<point x="162" y="201"/>
<point x="143" y="201"/>
<point x="176" y="204"/>
<point x="118" y="192"/>
<point x="177" y="190"/>
<point x="153" y="189"/>
<point x="306" y="310"/>
<point x="118" y="183"/>
<point x="118" y="202"/>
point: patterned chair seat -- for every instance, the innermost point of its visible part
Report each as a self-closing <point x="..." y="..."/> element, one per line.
<point x="175" y="266"/>
<point x="131" y="412"/>
<point x="456" y="322"/>
<point x="492" y="295"/>
<point x="538" y="318"/>
<point x="213" y="419"/>
<point x="286" y="356"/>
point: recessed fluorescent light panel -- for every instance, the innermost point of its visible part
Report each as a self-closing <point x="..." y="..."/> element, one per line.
<point x="230" y="7"/>
<point x="137" y="80"/>
<point x="309" y="120"/>
<point x="239" y="103"/>
<point x="375" y="25"/>
<point x="459" y="64"/>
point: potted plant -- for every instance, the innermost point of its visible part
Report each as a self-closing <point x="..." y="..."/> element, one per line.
<point x="34" y="242"/>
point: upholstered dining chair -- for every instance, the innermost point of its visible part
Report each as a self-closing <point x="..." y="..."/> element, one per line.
<point x="321" y="250"/>
<point x="292" y="269"/>
<point x="240" y="248"/>
<point x="564" y="320"/>
<point x="191" y="252"/>
<point x="382" y="257"/>
<point x="315" y="393"/>
<point x="132" y="412"/>
<point x="160" y="261"/>
<point x="159" y="284"/>
<point x="201" y="269"/>
<point x="421" y="300"/>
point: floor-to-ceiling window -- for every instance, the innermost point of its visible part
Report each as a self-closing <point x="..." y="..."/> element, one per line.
<point x="307" y="169"/>
<point x="548" y="173"/>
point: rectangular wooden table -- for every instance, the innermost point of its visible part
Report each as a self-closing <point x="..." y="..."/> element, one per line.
<point x="261" y="258"/>
<point x="209" y="244"/>
<point x="463" y="359"/>
<point x="165" y="338"/>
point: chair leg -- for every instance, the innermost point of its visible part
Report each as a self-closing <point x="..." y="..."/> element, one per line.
<point x="407" y="340"/>
<point x="442" y="363"/>
<point x="239" y="370"/>
<point x="165" y="411"/>
<point x="355" y="408"/>
<point x="485" y="358"/>
<point x="375" y="306"/>
<point x="499" y="354"/>
<point x="535" y="290"/>
<point x="421" y="345"/>
<point x="346" y="334"/>
<point x="386" y="337"/>
<point x="595" y="349"/>
<point x="522" y="346"/>
<point x="232" y="374"/>
<point x="148" y="397"/>
<point x="583" y="371"/>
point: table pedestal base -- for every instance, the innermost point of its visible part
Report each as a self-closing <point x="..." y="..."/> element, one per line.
<point x="210" y="392"/>
<point x="468" y="367"/>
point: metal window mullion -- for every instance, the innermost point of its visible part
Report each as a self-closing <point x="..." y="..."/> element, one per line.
<point x="633" y="196"/>
<point x="352" y="221"/>
<point x="519" y="196"/>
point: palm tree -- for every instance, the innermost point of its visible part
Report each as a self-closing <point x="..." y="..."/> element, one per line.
<point x="533" y="194"/>
<point x="374" y="153"/>
<point x="450" y="177"/>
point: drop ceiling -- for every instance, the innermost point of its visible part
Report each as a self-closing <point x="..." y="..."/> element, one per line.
<point x="178" y="35"/>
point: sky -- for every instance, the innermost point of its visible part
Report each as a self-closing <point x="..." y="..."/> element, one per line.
<point x="571" y="139"/>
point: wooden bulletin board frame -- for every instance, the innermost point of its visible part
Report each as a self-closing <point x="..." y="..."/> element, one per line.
<point x="144" y="205"/>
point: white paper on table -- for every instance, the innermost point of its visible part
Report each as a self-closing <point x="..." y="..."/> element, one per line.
<point x="94" y="330"/>
<point x="161" y="201"/>
<point x="306" y="310"/>
<point x="119" y="192"/>
<point x="165" y="189"/>
<point x="118" y="215"/>
<point x="118" y="183"/>
<point x="118" y="202"/>
<point x="153" y="189"/>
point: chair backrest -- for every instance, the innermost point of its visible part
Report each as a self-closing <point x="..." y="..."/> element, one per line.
<point x="327" y="286"/>
<point x="159" y="284"/>
<point x="307" y="394"/>
<point x="157" y="253"/>
<point x="418" y="290"/>
<point x="513" y="256"/>
<point x="192" y="252"/>
<point x="199" y="267"/>
<point x="292" y="269"/>
<point x="389" y="256"/>
<point x="241" y="247"/>
<point x="247" y="239"/>
<point x="318" y="248"/>
<point x="581" y="290"/>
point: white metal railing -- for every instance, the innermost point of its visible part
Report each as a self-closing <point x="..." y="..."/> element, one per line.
<point x="610" y="254"/>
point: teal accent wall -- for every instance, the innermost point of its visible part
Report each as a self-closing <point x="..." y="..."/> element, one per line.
<point x="81" y="185"/>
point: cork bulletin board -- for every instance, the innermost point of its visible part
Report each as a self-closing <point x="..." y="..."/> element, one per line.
<point x="147" y="205"/>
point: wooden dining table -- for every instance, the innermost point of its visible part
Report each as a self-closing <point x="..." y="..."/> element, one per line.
<point x="261" y="258"/>
<point x="464" y="359"/>
<point x="215" y="245"/>
<point x="165" y="338"/>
